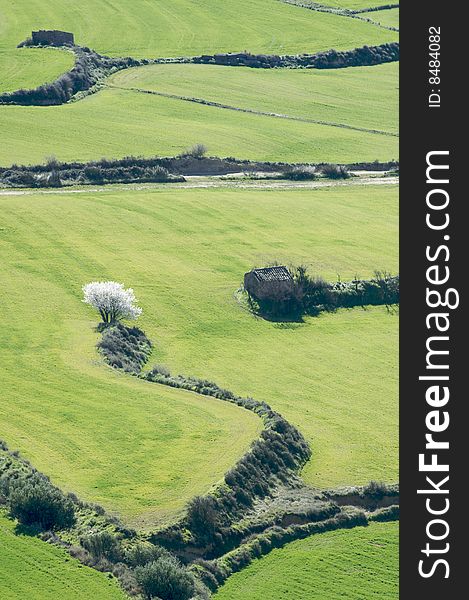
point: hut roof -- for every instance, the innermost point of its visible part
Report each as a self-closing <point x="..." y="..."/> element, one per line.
<point x="272" y="274"/>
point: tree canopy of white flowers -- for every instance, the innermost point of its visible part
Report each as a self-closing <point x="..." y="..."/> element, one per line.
<point x="111" y="300"/>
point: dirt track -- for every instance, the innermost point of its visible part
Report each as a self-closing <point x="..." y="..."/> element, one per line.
<point x="196" y="182"/>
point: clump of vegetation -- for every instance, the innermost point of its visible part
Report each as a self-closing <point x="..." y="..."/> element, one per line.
<point x="377" y="489"/>
<point x="165" y="579"/>
<point x="126" y="348"/>
<point x="144" y="553"/>
<point x="202" y="517"/>
<point x="195" y="151"/>
<point x="35" y="501"/>
<point x="102" y="545"/>
<point x="300" y="173"/>
<point x="388" y="513"/>
<point x="332" y="171"/>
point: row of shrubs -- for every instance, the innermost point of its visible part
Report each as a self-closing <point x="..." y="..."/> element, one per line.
<point x="331" y="59"/>
<point x="358" y="11"/>
<point x="308" y="172"/>
<point x="180" y="164"/>
<point x="215" y="572"/>
<point x="90" y="68"/>
<point x="359" y="57"/>
<point x="87" y="175"/>
<point x="134" y="169"/>
<point x="309" y="295"/>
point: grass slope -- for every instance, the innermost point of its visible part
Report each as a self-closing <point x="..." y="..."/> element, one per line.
<point x="30" y="67"/>
<point x="116" y="123"/>
<point x="185" y="252"/>
<point x="149" y="28"/>
<point x="359" y="563"/>
<point x="30" y="568"/>
<point x="386" y="17"/>
<point x="365" y="97"/>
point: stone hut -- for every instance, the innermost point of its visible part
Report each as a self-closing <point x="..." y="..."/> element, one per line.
<point x="52" y="38"/>
<point x="269" y="282"/>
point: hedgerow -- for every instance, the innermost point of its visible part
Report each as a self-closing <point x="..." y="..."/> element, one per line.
<point x="330" y="59"/>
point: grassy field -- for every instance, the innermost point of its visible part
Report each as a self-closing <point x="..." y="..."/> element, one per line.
<point x="116" y="123"/>
<point x="361" y="563"/>
<point x="31" y="569"/>
<point x="30" y="67"/>
<point x="140" y="450"/>
<point x="147" y="449"/>
<point x="150" y="28"/>
<point x="335" y="95"/>
<point x="386" y="17"/>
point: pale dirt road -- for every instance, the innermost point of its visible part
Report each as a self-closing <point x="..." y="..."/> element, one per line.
<point x="197" y="182"/>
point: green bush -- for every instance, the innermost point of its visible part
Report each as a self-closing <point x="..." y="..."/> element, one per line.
<point x="202" y="517"/>
<point x="303" y="173"/>
<point x="103" y="545"/>
<point x="142" y="554"/>
<point x="165" y="579"/>
<point x="34" y="501"/>
<point x="335" y="171"/>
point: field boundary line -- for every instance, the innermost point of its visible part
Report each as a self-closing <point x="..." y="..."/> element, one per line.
<point x="345" y="12"/>
<point x="253" y="111"/>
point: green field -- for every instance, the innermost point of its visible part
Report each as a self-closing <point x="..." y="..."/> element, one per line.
<point x="386" y="17"/>
<point x="360" y="564"/>
<point x="30" y="67"/>
<point x="334" y="95"/>
<point x="150" y="28"/>
<point x="31" y="569"/>
<point x="147" y="449"/>
<point x="116" y="123"/>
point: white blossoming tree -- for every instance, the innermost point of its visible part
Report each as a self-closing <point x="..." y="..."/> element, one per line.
<point x="111" y="300"/>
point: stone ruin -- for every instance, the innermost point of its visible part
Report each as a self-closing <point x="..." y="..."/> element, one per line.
<point x="52" y="38"/>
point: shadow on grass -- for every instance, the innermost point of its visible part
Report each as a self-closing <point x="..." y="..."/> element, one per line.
<point x="29" y="530"/>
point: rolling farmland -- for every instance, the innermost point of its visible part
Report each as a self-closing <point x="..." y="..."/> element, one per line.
<point x="143" y="450"/>
<point x="173" y="248"/>
<point x="148" y="125"/>
<point x="360" y="563"/>
<point x="329" y="95"/>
